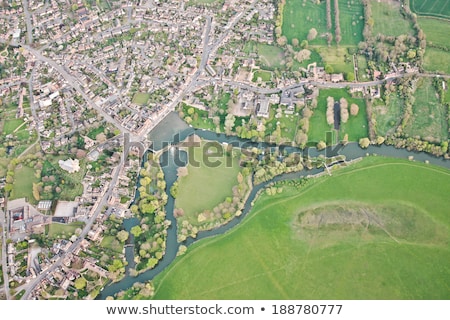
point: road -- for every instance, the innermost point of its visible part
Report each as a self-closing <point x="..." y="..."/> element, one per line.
<point x="28" y="22"/>
<point x="4" y="225"/>
<point x="33" y="283"/>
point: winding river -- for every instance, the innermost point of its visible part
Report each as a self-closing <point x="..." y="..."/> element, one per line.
<point x="173" y="130"/>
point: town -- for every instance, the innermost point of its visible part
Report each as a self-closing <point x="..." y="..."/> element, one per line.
<point x="84" y="83"/>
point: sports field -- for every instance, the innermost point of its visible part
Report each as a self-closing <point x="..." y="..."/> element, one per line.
<point x="206" y="186"/>
<point x="438" y="8"/>
<point x="359" y="234"/>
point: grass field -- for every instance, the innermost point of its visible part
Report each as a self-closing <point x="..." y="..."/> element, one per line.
<point x="438" y="8"/>
<point x="94" y="132"/>
<point x="11" y="125"/>
<point x="270" y="56"/>
<point x="23" y="183"/>
<point x="141" y="98"/>
<point x="387" y="116"/>
<point x="436" y="30"/>
<point x="338" y="58"/>
<point x="429" y="115"/>
<point x="436" y="60"/>
<point x="388" y="20"/>
<point x="300" y="16"/>
<point x="206" y="186"/>
<point x="265" y="76"/>
<point x="377" y="240"/>
<point x="356" y="126"/>
<point x="111" y="242"/>
<point x="67" y="230"/>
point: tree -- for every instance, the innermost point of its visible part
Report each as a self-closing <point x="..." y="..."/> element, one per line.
<point x="295" y="42"/>
<point x="380" y="140"/>
<point x="304" y="44"/>
<point x="329" y="69"/>
<point x="350" y="76"/>
<point x="136" y="231"/>
<point x="321" y="145"/>
<point x="354" y="109"/>
<point x="304" y="54"/>
<point x="122" y="235"/>
<point x="312" y="34"/>
<point x="330" y="110"/>
<point x="80" y="283"/>
<point x="282" y="41"/>
<point x="364" y="143"/>
<point x="344" y="110"/>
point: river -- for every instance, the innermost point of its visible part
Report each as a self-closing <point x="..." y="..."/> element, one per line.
<point x="173" y="130"/>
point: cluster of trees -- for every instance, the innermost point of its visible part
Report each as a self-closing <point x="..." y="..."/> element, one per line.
<point x="379" y="47"/>
<point x="301" y="137"/>
<point x="330" y="110"/>
<point x="337" y="25"/>
<point x="344" y="110"/>
<point x="139" y="291"/>
<point x="150" y="235"/>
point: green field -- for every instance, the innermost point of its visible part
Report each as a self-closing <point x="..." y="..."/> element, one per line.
<point x="265" y="76"/>
<point x="436" y="30"/>
<point x="356" y="126"/>
<point x="141" y="98"/>
<point x="429" y="120"/>
<point x="206" y="186"/>
<point x="300" y="16"/>
<point x="11" y="125"/>
<point x="376" y="240"/>
<point x="438" y="8"/>
<point x="436" y="60"/>
<point x="338" y="58"/>
<point x="111" y="242"/>
<point x="388" y="20"/>
<point x="23" y="183"/>
<point x="387" y="116"/>
<point x="55" y="230"/>
<point x="270" y="56"/>
<point x="351" y="15"/>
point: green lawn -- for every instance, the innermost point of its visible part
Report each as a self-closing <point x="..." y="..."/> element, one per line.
<point x="94" y="132"/>
<point x="11" y="125"/>
<point x="438" y="8"/>
<point x="356" y="126"/>
<point x="111" y="242"/>
<point x="279" y="252"/>
<point x="141" y="98"/>
<point x="387" y="116"/>
<point x="436" y="30"/>
<point x="388" y="20"/>
<point x="57" y="229"/>
<point x="265" y="76"/>
<point x="429" y="120"/>
<point x="206" y="186"/>
<point x="338" y="58"/>
<point x="23" y="183"/>
<point x="270" y="56"/>
<point x="436" y="60"/>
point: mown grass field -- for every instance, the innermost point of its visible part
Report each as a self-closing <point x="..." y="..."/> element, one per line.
<point x="270" y="56"/>
<point x="438" y="8"/>
<point x="429" y="115"/>
<point x="55" y="230"/>
<point x="141" y="98"/>
<point x="388" y="20"/>
<point x="23" y="183"/>
<point x="279" y="252"/>
<point x="436" y="30"/>
<point x="262" y="75"/>
<point x="206" y="185"/>
<point x="436" y="60"/>
<point x="11" y="125"/>
<point x="338" y="58"/>
<point x="356" y="126"/>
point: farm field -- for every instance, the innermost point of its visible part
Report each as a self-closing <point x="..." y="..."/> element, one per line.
<point x="388" y="20"/>
<point x="351" y="16"/>
<point x="436" y="60"/>
<point x="206" y="186"/>
<point x="387" y="116"/>
<point x="429" y="115"/>
<point x="438" y="8"/>
<point x="436" y="30"/>
<point x="372" y="228"/>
